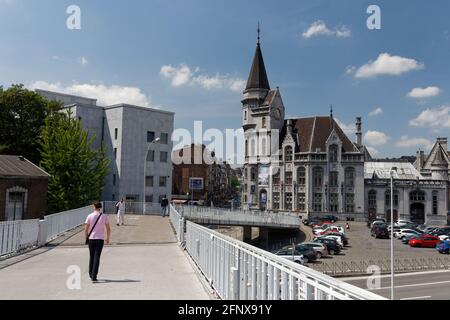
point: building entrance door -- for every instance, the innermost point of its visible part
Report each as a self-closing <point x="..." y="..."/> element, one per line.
<point x="418" y="213"/>
<point x="15" y="206"/>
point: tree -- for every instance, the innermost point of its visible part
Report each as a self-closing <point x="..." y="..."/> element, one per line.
<point x="77" y="170"/>
<point x="22" y="115"/>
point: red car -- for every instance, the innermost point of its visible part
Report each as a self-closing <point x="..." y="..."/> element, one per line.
<point x="425" y="241"/>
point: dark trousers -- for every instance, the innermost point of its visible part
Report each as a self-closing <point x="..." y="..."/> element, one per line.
<point x="95" y="251"/>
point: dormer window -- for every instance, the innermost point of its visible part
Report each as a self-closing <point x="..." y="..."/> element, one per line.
<point x="288" y="154"/>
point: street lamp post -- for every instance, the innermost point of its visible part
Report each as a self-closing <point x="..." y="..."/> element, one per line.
<point x="393" y="171"/>
<point x="145" y="175"/>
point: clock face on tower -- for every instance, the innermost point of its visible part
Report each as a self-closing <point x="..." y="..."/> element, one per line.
<point x="277" y="113"/>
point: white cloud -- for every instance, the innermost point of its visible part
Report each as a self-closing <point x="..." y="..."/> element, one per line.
<point x="83" y="61"/>
<point x="373" y="151"/>
<point x="376" y="138"/>
<point x="407" y="142"/>
<point x="387" y="64"/>
<point x="375" y="112"/>
<point x="350" y="69"/>
<point x="184" y="75"/>
<point x="420" y="93"/>
<point x="106" y="95"/>
<point x="319" y="28"/>
<point x="433" y="118"/>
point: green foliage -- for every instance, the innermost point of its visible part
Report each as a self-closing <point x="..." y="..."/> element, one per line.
<point x="22" y="115"/>
<point x="234" y="181"/>
<point x="78" y="171"/>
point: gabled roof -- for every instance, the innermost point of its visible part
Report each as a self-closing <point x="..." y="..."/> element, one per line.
<point x="313" y="133"/>
<point x="440" y="158"/>
<point x="16" y="166"/>
<point x="382" y="170"/>
<point x="258" y="76"/>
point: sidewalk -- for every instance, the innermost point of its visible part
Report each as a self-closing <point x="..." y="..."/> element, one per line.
<point x="149" y="271"/>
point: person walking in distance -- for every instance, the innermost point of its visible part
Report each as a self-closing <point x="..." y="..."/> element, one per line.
<point x="120" y="212"/>
<point x="164" y="205"/>
<point x="94" y="231"/>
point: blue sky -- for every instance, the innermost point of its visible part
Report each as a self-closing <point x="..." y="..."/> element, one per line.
<point x="192" y="57"/>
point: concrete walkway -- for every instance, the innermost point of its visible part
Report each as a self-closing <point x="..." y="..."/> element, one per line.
<point x="128" y="271"/>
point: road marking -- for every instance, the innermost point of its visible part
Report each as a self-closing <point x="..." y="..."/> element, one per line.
<point x="413" y="285"/>
<point x="417" y="298"/>
<point x="397" y="275"/>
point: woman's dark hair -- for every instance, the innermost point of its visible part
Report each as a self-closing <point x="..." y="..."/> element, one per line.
<point x="97" y="205"/>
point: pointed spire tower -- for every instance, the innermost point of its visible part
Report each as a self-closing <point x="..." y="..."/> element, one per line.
<point x="257" y="80"/>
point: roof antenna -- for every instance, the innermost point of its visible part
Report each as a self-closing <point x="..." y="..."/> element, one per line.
<point x="259" y="31"/>
<point x="331" y="111"/>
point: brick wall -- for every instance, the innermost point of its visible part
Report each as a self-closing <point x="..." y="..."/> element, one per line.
<point x="37" y="196"/>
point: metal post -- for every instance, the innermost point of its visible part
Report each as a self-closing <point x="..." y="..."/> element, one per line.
<point x="392" y="235"/>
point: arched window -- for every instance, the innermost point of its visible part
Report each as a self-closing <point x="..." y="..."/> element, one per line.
<point x="245" y="115"/>
<point x="288" y="153"/>
<point x="318" y="177"/>
<point x="264" y="122"/>
<point x="388" y="198"/>
<point x="372" y="201"/>
<point x="333" y="153"/>
<point x="301" y="176"/>
<point x="417" y="196"/>
<point x="350" y="177"/>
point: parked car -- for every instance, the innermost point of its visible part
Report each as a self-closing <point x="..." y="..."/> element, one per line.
<point x="331" y="244"/>
<point x="329" y="228"/>
<point x="331" y="218"/>
<point x="379" y="231"/>
<point x="443" y="247"/>
<point x="320" y="249"/>
<point x="296" y="257"/>
<point x="402" y="223"/>
<point x="311" y="221"/>
<point x="421" y="227"/>
<point x="377" y="222"/>
<point x="408" y="237"/>
<point x="340" y="235"/>
<point x="424" y="241"/>
<point x="338" y="239"/>
<point x="309" y="255"/>
<point x="402" y="232"/>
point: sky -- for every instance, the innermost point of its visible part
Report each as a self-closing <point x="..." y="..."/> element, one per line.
<point x="193" y="57"/>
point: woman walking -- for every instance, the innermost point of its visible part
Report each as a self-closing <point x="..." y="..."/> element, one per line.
<point x="94" y="230"/>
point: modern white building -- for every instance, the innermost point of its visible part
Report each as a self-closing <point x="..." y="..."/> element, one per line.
<point x="127" y="133"/>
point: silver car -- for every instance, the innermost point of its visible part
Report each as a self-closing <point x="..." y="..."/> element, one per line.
<point x="292" y="256"/>
<point x="319" y="248"/>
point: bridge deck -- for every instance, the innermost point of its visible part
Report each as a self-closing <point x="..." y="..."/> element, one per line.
<point x="147" y="265"/>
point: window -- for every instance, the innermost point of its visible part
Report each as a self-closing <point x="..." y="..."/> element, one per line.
<point x="114" y="179"/>
<point x="149" y="181"/>
<point x="116" y="133"/>
<point x="264" y="122"/>
<point x="288" y="200"/>
<point x="163" y="156"/>
<point x="149" y="198"/>
<point x="164" y="138"/>
<point x="318" y="177"/>
<point x="372" y="199"/>
<point x="115" y="153"/>
<point x="276" y="200"/>
<point x="162" y="181"/>
<point x="435" y="202"/>
<point x="333" y="153"/>
<point x="288" y="178"/>
<point x="288" y="154"/>
<point x="334" y="202"/>
<point x="253" y="174"/>
<point x="150" y="156"/>
<point x="388" y="198"/>
<point x="301" y="176"/>
<point x="333" y="179"/>
<point x="317" y="202"/>
<point x="150" y="136"/>
<point x="350" y="177"/>
<point x="301" y="201"/>
<point x="417" y="196"/>
<point x="276" y="178"/>
<point x="245" y="115"/>
<point x="350" y="203"/>
<point x="246" y="148"/>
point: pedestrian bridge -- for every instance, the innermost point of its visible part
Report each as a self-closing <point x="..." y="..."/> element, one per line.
<point x="152" y="258"/>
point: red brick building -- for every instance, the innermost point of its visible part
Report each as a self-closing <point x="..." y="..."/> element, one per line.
<point x="23" y="189"/>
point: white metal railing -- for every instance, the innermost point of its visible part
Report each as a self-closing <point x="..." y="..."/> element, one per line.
<point x="208" y="215"/>
<point x="177" y="222"/>
<point x="18" y="235"/>
<point x="238" y="271"/>
<point x="147" y="208"/>
<point x="62" y="222"/>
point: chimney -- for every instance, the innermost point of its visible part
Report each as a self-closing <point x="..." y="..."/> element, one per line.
<point x="420" y="158"/>
<point x="358" y="131"/>
<point x="289" y="126"/>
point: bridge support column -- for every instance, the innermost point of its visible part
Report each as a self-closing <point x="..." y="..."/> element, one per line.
<point x="247" y="238"/>
<point x="264" y="237"/>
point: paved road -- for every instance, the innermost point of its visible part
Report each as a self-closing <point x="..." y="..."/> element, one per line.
<point x="156" y="270"/>
<point x="433" y="285"/>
